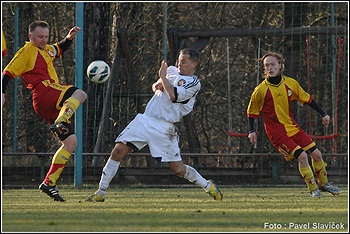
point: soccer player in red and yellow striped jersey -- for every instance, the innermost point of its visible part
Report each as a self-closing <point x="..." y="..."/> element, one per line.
<point x="272" y="98"/>
<point x="52" y="101"/>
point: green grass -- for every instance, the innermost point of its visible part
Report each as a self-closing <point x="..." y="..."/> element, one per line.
<point x="181" y="209"/>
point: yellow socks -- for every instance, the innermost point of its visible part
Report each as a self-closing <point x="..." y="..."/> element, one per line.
<point x="309" y="178"/>
<point x="68" y="109"/>
<point x="320" y="171"/>
<point x="59" y="161"/>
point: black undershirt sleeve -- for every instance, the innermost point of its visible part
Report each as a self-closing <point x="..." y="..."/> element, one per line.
<point x="316" y="107"/>
<point x="251" y="125"/>
<point x="64" y="44"/>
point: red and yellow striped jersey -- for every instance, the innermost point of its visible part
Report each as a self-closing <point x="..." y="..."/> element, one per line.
<point x="36" y="68"/>
<point x="34" y="65"/>
<point x="274" y="103"/>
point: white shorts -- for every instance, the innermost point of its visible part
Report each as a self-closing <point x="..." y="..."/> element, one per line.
<point x="160" y="135"/>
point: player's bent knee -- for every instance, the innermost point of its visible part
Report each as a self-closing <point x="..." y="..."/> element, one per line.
<point x="303" y="158"/>
<point x="177" y="168"/>
<point x="120" y="150"/>
<point x="71" y="142"/>
<point x="297" y="153"/>
<point x="65" y="135"/>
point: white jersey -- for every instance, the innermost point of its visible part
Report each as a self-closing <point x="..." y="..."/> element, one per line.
<point x="155" y="127"/>
<point x="186" y="88"/>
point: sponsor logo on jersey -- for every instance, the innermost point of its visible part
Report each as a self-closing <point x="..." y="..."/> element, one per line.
<point x="181" y="82"/>
<point x="51" y="53"/>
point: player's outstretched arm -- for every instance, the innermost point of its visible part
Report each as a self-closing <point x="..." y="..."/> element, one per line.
<point x="325" y="117"/>
<point x="73" y="32"/>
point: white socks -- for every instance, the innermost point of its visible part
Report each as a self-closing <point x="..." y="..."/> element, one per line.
<point x="111" y="168"/>
<point x="194" y="177"/>
<point x="108" y="172"/>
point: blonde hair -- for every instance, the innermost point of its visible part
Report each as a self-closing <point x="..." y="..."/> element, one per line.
<point x="279" y="58"/>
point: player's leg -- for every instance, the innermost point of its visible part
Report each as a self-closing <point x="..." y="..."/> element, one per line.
<point x="58" y="163"/>
<point x="110" y="169"/>
<point x="307" y="173"/>
<point x="46" y="107"/>
<point x="319" y="167"/>
<point x="72" y="99"/>
<point x="192" y="175"/>
<point x="163" y="142"/>
<point x="132" y="138"/>
<point x="290" y="149"/>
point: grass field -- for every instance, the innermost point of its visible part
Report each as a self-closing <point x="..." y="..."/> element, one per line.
<point x="175" y="209"/>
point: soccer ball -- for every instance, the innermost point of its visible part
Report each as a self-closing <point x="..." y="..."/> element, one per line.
<point x="98" y="71"/>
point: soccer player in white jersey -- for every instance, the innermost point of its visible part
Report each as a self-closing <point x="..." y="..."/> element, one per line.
<point x="174" y="97"/>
